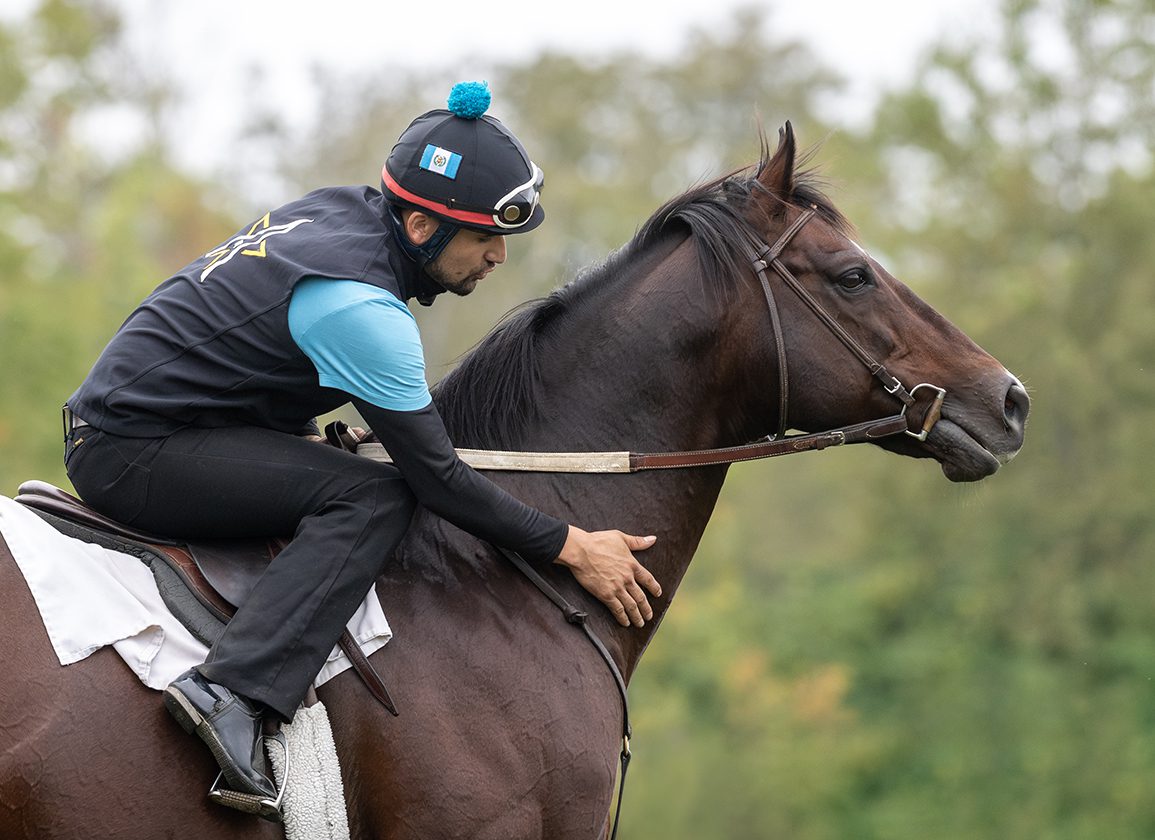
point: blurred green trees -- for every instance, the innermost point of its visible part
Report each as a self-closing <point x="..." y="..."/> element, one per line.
<point x="92" y="215"/>
<point x="982" y="665"/>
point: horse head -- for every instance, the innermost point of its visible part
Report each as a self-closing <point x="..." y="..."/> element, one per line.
<point x="851" y="339"/>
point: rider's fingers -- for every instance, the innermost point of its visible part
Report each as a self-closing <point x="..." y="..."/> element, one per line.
<point x="647" y="581"/>
<point x="619" y="611"/>
<point x="634" y="591"/>
<point x="634" y="614"/>
<point x="638" y="543"/>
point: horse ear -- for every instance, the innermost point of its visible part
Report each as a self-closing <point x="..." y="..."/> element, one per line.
<point x="778" y="173"/>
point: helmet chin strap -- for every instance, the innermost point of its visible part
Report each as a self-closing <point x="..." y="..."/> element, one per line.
<point x="424" y="253"/>
<point x="431" y="248"/>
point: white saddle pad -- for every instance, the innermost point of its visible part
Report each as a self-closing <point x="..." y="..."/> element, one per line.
<point x="90" y="597"/>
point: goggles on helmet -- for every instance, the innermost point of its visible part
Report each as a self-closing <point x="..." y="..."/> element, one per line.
<point x="516" y="207"/>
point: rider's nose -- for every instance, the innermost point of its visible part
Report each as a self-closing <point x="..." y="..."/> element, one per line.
<point x="496" y="252"/>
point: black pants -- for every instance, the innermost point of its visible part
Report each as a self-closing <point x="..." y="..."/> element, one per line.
<point x="346" y="514"/>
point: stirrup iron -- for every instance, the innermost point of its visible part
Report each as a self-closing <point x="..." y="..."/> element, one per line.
<point x="262" y="806"/>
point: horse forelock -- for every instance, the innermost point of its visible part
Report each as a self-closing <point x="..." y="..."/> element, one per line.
<point x="490" y="398"/>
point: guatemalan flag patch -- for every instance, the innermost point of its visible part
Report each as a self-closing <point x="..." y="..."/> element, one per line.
<point x="439" y="160"/>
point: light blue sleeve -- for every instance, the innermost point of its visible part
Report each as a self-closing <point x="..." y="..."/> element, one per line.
<point x="362" y="340"/>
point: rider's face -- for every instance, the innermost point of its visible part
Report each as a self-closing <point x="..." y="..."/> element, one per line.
<point x="468" y="257"/>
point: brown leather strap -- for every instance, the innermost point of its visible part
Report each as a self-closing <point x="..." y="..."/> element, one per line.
<point x="366" y="672"/>
<point x="578" y="618"/>
<point x="768" y="257"/>
<point x="870" y="430"/>
<point x="760" y="262"/>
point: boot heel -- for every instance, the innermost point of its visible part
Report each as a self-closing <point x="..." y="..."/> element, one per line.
<point x="182" y="711"/>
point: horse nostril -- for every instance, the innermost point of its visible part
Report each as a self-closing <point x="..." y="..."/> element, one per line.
<point x="1016" y="406"/>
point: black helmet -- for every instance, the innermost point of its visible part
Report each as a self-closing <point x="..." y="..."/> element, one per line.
<point x="465" y="167"/>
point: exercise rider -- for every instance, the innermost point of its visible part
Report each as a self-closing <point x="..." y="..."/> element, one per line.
<point x="198" y="419"/>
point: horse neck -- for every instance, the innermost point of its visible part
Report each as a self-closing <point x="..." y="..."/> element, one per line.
<point x="643" y="361"/>
<point x="639" y="364"/>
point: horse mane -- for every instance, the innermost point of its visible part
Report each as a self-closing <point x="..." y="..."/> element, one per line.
<point x="490" y="398"/>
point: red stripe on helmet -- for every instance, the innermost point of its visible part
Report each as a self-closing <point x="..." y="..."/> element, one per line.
<point x="467" y="216"/>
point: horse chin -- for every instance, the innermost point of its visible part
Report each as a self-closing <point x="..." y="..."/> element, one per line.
<point x="961" y="455"/>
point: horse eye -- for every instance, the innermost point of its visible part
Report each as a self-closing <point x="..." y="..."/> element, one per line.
<point x="853" y="280"/>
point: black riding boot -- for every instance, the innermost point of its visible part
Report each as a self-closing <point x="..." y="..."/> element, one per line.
<point x="231" y="726"/>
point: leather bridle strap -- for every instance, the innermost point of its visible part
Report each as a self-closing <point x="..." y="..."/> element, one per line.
<point x="760" y="260"/>
<point x="769" y="257"/>
<point x="631" y="462"/>
<point x="858" y="433"/>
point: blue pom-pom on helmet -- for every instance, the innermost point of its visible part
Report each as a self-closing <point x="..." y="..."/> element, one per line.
<point x="465" y="167"/>
<point x="469" y="100"/>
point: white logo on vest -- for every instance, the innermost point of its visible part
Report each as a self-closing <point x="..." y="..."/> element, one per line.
<point x="251" y="244"/>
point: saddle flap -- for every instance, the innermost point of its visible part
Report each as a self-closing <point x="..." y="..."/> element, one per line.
<point x="233" y="567"/>
<point x="218" y="573"/>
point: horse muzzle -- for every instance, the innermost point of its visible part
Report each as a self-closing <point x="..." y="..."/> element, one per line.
<point x="972" y="440"/>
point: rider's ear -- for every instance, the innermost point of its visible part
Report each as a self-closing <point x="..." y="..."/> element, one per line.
<point x="418" y="226"/>
<point x="777" y="174"/>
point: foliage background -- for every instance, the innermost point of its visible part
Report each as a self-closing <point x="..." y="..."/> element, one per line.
<point x="982" y="665"/>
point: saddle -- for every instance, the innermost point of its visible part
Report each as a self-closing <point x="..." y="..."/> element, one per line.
<point x="202" y="582"/>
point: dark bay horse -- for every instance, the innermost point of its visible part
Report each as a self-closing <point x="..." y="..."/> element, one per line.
<point x="511" y="723"/>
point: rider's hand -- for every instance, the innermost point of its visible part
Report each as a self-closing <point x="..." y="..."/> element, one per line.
<point x="603" y="563"/>
<point x="353" y="434"/>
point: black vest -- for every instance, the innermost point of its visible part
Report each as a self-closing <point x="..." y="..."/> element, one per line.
<point x="211" y="346"/>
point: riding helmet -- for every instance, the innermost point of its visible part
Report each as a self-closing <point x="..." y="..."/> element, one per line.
<point x="465" y="167"/>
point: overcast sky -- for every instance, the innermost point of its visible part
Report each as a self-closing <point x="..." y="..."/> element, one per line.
<point x="878" y="38"/>
<point x="208" y="45"/>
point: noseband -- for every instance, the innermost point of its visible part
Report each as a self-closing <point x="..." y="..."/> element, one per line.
<point x="769" y="257"/>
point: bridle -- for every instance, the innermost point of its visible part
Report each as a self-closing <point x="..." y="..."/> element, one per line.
<point x="769" y="257"/>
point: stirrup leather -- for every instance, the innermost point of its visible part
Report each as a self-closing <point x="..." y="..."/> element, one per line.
<point x="262" y="806"/>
